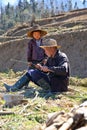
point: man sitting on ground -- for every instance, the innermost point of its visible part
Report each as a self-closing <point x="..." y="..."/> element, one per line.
<point x="54" y="74"/>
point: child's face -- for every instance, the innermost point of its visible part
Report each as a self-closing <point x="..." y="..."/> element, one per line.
<point x="37" y="35"/>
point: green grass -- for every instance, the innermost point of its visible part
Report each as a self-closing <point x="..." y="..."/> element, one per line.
<point x="40" y="103"/>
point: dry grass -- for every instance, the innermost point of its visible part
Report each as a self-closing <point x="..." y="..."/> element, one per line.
<point x="39" y="103"/>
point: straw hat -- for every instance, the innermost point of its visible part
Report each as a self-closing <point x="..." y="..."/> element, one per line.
<point x="50" y="43"/>
<point x="36" y="28"/>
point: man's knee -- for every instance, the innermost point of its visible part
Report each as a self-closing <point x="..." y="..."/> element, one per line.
<point x="39" y="78"/>
<point x="35" y="74"/>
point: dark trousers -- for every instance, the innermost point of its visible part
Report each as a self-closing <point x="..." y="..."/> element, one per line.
<point x="55" y="83"/>
<point x="40" y="78"/>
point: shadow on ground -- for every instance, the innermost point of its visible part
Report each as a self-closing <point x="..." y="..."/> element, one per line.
<point x="34" y="92"/>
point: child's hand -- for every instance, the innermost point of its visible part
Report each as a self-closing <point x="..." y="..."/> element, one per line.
<point x="29" y="64"/>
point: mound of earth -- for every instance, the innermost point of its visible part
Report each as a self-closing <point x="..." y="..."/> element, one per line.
<point x="69" y="29"/>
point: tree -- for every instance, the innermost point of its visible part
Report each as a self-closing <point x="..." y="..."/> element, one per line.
<point x="69" y="5"/>
<point x="56" y="7"/>
<point x="10" y="23"/>
<point x="46" y="13"/>
<point x="5" y="19"/>
<point x="2" y="14"/>
<point x="25" y="4"/>
<point x="17" y="14"/>
<point x="75" y="6"/>
<point x="33" y="5"/>
<point x="42" y="8"/>
<point x="84" y="3"/>
<point x="52" y="7"/>
<point x="62" y="6"/>
<point x="20" y="9"/>
<point x="7" y="10"/>
<point x="20" y="5"/>
<point x="66" y="6"/>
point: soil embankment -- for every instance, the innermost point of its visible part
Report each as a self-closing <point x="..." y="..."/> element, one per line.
<point x="69" y="29"/>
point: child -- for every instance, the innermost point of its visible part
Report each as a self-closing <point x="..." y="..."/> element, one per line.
<point x="35" y="55"/>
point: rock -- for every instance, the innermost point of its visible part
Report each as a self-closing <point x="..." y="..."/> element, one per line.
<point x="12" y="99"/>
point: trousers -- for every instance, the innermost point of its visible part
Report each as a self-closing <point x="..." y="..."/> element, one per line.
<point x="40" y="78"/>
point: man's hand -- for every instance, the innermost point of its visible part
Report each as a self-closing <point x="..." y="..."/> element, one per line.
<point x="45" y="69"/>
<point x="38" y="66"/>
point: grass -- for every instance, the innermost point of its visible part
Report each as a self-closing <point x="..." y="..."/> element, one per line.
<point x="39" y="103"/>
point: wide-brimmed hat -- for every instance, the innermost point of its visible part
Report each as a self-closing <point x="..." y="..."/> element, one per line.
<point x="36" y="28"/>
<point x="50" y="43"/>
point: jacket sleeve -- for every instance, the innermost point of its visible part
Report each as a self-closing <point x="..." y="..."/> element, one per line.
<point x="62" y="68"/>
<point x="29" y="52"/>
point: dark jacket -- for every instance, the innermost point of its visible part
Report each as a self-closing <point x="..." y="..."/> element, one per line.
<point x="34" y="53"/>
<point x="59" y="79"/>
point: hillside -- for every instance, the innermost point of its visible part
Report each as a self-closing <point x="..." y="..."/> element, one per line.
<point x="69" y="29"/>
<point x="39" y="109"/>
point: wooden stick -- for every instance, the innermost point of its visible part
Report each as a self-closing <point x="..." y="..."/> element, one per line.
<point x="6" y="113"/>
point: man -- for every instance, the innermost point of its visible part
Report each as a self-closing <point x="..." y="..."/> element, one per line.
<point x="54" y="75"/>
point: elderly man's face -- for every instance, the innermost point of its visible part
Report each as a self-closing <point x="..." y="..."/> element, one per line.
<point x="50" y="51"/>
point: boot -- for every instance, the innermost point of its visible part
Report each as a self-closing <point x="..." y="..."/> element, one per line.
<point x="19" y="84"/>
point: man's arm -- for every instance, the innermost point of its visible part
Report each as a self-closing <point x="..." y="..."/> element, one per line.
<point x="62" y="68"/>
